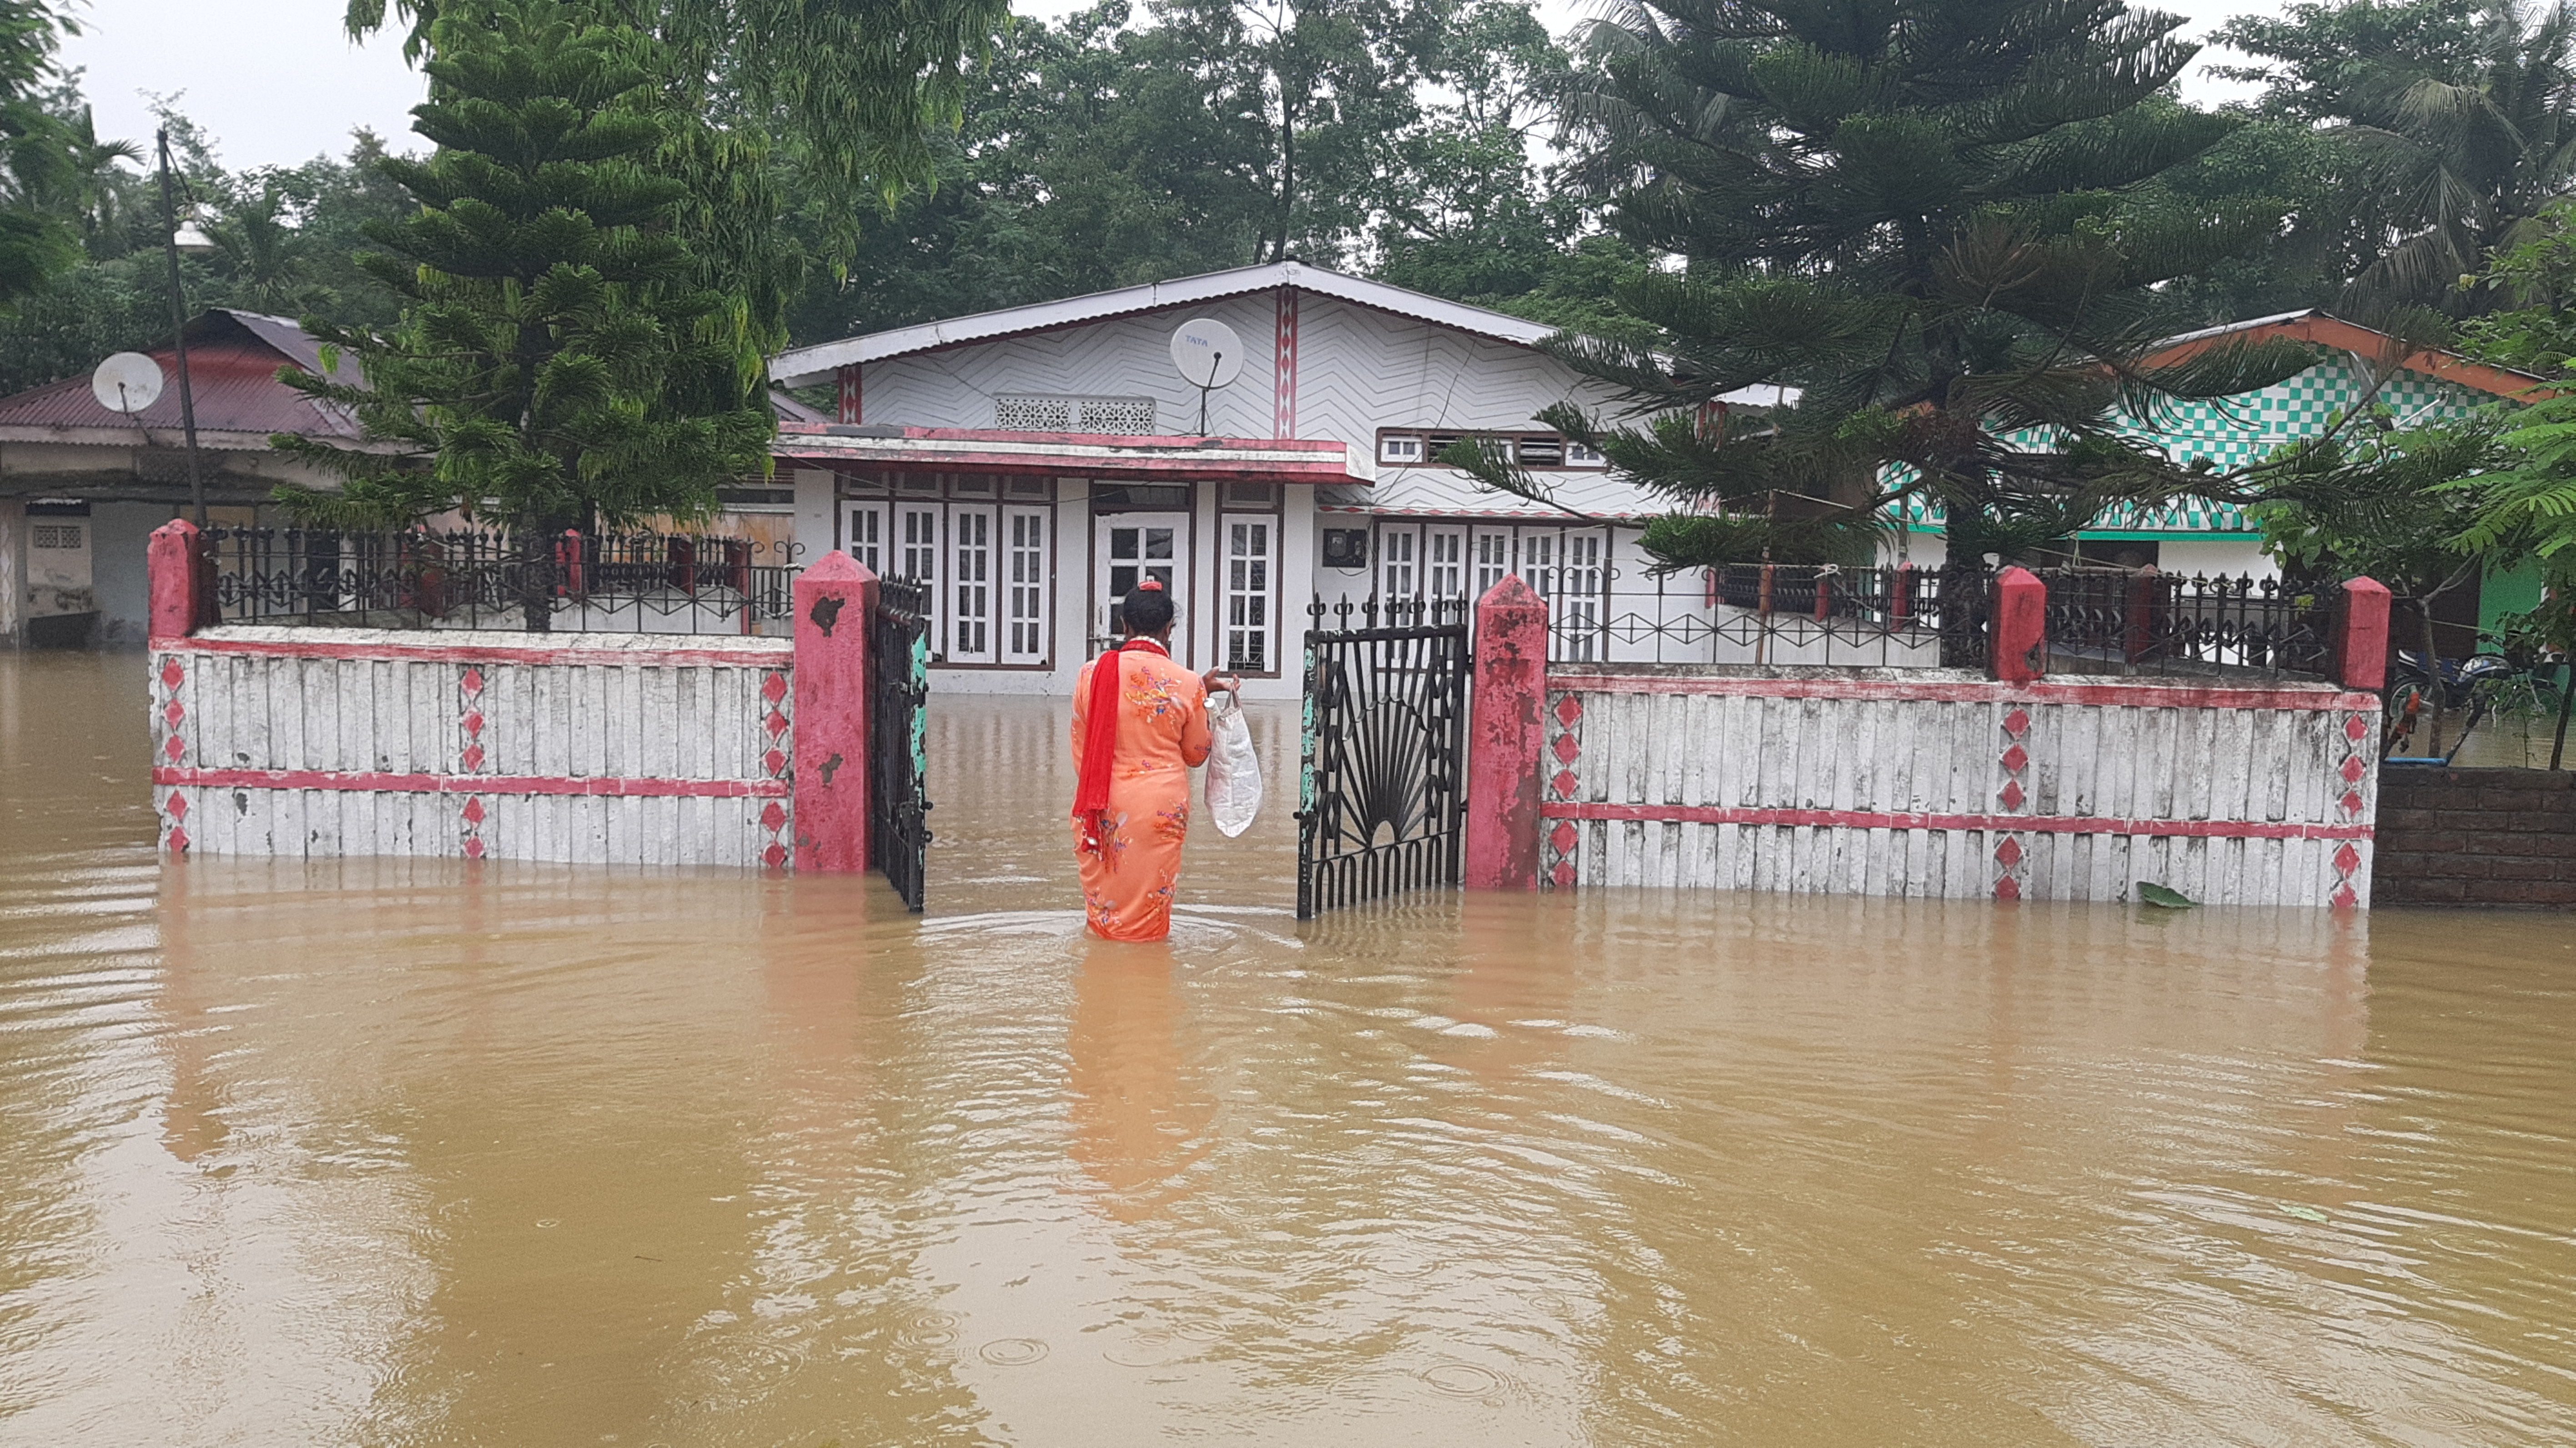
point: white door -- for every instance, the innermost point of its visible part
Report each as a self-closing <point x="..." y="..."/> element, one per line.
<point x="1127" y="549"/>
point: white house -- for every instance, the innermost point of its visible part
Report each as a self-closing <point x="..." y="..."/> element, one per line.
<point x="1034" y="463"/>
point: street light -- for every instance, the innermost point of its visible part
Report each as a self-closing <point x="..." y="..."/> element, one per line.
<point x="184" y="235"/>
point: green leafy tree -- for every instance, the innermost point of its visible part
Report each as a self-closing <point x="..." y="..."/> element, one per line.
<point x="847" y="97"/>
<point x="2453" y="124"/>
<point x="558" y="362"/>
<point x="1922" y="215"/>
<point x="39" y="167"/>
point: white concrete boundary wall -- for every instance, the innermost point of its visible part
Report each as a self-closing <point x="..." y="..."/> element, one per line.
<point x="1930" y="782"/>
<point x="583" y="748"/>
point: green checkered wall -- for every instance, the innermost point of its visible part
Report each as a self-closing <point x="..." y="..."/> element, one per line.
<point x="2233" y="432"/>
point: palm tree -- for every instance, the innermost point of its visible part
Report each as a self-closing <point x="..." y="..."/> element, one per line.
<point x="2460" y="124"/>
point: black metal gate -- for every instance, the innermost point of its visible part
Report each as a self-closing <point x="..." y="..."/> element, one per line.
<point x="898" y="740"/>
<point x="1382" y="795"/>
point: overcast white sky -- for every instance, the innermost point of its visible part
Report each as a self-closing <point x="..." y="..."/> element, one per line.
<point x="275" y="82"/>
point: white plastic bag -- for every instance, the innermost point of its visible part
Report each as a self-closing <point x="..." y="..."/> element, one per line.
<point x="1233" y="774"/>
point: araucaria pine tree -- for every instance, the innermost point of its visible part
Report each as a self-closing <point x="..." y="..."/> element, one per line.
<point x="1924" y="215"/>
<point x="561" y="360"/>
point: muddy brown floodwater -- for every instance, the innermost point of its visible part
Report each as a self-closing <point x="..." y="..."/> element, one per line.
<point x="405" y="1152"/>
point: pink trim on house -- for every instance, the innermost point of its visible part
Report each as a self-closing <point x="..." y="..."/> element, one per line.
<point x="384" y="783"/>
<point x="1876" y="820"/>
<point x="485" y="653"/>
<point x="1283" y="404"/>
<point x="2142" y="694"/>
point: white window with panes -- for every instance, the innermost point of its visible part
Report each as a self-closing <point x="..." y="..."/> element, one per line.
<point x="1399" y="563"/>
<point x="1493" y="554"/>
<point x="970" y="586"/>
<point x="1446" y="573"/>
<point x="982" y="545"/>
<point x="1024" y="582"/>
<point x="1251" y="641"/>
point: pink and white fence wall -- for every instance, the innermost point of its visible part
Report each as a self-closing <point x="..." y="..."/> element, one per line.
<point x="575" y="747"/>
<point x="1923" y="782"/>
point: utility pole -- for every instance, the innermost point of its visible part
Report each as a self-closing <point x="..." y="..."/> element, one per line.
<point x="179" y="325"/>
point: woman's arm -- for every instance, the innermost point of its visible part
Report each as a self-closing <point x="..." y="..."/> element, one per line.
<point x="1195" y="742"/>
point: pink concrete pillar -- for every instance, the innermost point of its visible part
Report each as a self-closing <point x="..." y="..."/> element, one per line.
<point x="2361" y="645"/>
<point x="834" y="600"/>
<point x="181" y="580"/>
<point x="2019" y="639"/>
<point x="1505" y="734"/>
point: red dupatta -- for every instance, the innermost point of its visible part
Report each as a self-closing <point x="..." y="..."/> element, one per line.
<point x="1100" y="743"/>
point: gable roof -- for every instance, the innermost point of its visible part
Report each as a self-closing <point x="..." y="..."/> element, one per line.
<point x="799" y="366"/>
<point x="2331" y="331"/>
<point x="233" y="357"/>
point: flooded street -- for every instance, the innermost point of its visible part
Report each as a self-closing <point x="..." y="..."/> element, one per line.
<point x="415" y="1153"/>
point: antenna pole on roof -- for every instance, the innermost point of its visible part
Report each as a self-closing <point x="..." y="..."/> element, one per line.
<point x="1218" y="360"/>
<point x="179" y="331"/>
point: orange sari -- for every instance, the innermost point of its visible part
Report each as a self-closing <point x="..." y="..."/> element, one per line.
<point x="1162" y="733"/>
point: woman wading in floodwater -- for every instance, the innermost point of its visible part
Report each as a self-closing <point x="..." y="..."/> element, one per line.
<point x="1139" y="727"/>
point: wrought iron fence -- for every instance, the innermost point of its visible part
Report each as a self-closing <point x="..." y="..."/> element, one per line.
<point x="2139" y="621"/>
<point x="1765" y="613"/>
<point x="491" y="579"/>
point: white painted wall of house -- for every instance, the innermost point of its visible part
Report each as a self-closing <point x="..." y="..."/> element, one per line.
<point x="2163" y="757"/>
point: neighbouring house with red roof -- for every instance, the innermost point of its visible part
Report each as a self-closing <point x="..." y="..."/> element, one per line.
<point x="81" y="486"/>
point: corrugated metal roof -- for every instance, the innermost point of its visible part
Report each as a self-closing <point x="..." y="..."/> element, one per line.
<point x="233" y="359"/>
<point x="801" y="365"/>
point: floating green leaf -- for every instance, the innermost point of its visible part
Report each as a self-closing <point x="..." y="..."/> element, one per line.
<point x="2162" y="898"/>
<point x="2305" y="1214"/>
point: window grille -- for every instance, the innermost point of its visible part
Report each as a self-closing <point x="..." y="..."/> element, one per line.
<point x="56" y="535"/>
<point x="1247" y="594"/>
<point x="1540" y="452"/>
<point x="1033" y="414"/>
<point x="1120" y="416"/>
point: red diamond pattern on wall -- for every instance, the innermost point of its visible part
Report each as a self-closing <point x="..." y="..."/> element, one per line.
<point x="173" y="674"/>
<point x="2356" y="730"/>
<point x="1564" y="837"/>
<point x="1568" y="748"/>
<point x="2011" y="797"/>
<point x="1565" y="784"/>
<point x="1569" y="710"/>
<point x="2354" y="769"/>
<point x="774" y="688"/>
<point x="2017" y="723"/>
<point x="2016" y="759"/>
<point x="2009" y="852"/>
<point x="178" y="805"/>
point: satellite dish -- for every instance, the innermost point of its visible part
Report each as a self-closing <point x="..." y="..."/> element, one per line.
<point x="1207" y="352"/>
<point x="127" y="382"/>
